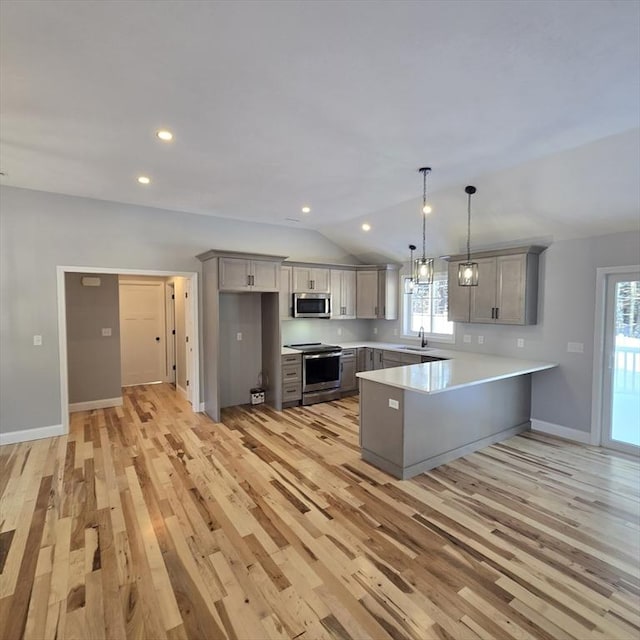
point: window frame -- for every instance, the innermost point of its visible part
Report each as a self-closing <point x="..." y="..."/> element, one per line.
<point x="405" y="320"/>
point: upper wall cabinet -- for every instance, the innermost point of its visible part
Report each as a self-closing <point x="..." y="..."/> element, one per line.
<point x="241" y="274"/>
<point x="311" y="280"/>
<point x="343" y="294"/>
<point x="377" y="293"/>
<point x="507" y="291"/>
<point x="286" y="289"/>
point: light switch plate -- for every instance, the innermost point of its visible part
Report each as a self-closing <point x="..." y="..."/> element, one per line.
<point x="37" y="341"/>
<point x="480" y="339"/>
<point x="106" y="332"/>
<point x="394" y="404"/>
<point x="466" y="338"/>
<point x="520" y="343"/>
<point x="575" y="347"/>
<point x="239" y="336"/>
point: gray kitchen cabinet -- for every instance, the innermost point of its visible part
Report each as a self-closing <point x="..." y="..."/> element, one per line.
<point x="377" y="293"/>
<point x="343" y="294"/>
<point x="311" y="280"/>
<point x="459" y="298"/>
<point x="240" y="274"/>
<point x="392" y="359"/>
<point x="286" y="289"/>
<point x="361" y="359"/>
<point x="507" y="291"/>
<point x="291" y="378"/>
<point x="348" y="367"/>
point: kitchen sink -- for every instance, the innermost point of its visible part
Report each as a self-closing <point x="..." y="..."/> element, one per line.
<point x="420" y="349"/>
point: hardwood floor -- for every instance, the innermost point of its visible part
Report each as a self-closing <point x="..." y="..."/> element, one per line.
<point x="149" y="521"/>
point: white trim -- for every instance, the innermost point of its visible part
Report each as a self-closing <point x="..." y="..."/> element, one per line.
<point x="598" y="347"/>
<point x="24" y="435"/>
<point x="567" y="433"/>
<point x="105" y="403"/>
<point x="182" y="392"/>
<point x="62" y="327"/>
<point x="201" y="409"/>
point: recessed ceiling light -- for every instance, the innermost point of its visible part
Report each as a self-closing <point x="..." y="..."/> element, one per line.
<point x="144" y="180"/>
<point x="366" y="227"/>
<point x="306" y="209"/>
<point x="164" y="135"/>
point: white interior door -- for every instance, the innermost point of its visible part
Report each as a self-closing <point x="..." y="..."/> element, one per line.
<point x="188" y="327"/>
<point x="621" y="362"/>
<point x="142" y="332"/>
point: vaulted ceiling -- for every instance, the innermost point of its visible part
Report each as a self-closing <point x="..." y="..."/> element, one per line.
<point x="275" y="105"/>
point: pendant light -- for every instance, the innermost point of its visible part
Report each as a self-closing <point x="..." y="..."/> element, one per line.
<point x="423" y="267"/>
<point x="409" y="283"/>
<point x="468" y="271"/>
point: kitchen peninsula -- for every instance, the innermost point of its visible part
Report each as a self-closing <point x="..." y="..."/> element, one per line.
<point x="416" y="417"/>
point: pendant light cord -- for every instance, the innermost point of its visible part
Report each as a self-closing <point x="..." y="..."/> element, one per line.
<point x="425" y="171"/>
<point x="469" y="228"/>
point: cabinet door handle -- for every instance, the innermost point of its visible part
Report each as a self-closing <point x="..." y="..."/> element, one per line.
<point x="375" y="313"/>
<point x="248" y="281"/>
<point x="497" y="312"/>
<point x="493" y="313"/>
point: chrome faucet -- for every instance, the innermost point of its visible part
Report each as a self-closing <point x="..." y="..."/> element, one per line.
<point x="423" y="340"/>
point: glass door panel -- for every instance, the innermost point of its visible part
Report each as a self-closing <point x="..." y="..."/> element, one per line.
<point x="622" y="364"/>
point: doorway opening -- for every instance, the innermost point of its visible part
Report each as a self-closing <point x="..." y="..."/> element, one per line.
<point x="145" y="333"/>
<point x="616" y="408"/>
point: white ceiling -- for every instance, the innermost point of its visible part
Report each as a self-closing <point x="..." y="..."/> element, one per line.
<point x="279" y="104"/>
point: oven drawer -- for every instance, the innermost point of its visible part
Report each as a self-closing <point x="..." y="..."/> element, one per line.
<point x="291" y="392"/>
<point x="291" y="373"/>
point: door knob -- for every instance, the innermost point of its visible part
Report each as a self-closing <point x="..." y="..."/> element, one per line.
<point x="157" y="338"/>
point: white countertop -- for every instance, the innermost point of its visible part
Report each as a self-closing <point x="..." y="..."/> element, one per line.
<point x="464" y="369"/>
<point x="461" y="369"/>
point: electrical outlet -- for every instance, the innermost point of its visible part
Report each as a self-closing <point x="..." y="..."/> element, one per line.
<point x="575" y="347"/>
<point x="375" y="331"/>
<point x="466" y="338"/>
<point x="520" y="343"/>
<point x="106" y="332"/>
<point x="239" y="336"/>
<point x="37" y="341"/>
<point x="395" y="332"/>
<point x="394" y="404"/>
<point x="339" y="331"/>
<point x="480" y="339"/>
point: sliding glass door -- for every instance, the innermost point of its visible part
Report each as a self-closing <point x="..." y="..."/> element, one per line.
<point x="621" y="391"/>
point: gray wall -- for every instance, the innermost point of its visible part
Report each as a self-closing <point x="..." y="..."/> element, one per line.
<point x="240" y="360"/>
<point x="566" y="313"/>
<point x="93" y="360"/>
<point x="40" y="230"/>
<point x="310" y="330"/>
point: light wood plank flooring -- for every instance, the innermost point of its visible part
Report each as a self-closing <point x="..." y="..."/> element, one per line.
<point x="149" y="521"/>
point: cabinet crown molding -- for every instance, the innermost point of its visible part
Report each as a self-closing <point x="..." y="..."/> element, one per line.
<point x="220" y="253"/>
<point x="490" y="253"/>
<point x="345" y="267"/>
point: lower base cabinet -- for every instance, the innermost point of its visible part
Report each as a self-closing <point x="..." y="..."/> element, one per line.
<point x="291" y="378"/>
<point x="348" y="368"/>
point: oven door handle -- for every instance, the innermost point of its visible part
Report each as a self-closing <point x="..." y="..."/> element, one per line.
<point x="331" y="354"/>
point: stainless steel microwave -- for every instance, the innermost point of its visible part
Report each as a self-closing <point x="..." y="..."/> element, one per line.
<point x="311" y="305"/>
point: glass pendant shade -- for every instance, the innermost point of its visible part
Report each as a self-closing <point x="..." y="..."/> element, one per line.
<point x="423" y="271"/>
<point x="468" y="274"/>
<point x="468" y="271"/>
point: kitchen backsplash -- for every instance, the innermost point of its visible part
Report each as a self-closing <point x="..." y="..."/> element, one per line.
<point x="327" y="331"/>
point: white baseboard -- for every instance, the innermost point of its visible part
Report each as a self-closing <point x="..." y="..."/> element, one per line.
<point x="201" y="409"/>
<point x="24" y="435"/>
<point x="105" y="403"/>
<point x="182" y="392"/>
<point x="552" y="429"/>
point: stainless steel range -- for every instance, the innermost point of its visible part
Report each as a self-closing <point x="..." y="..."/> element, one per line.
<point x="320" y="371"/>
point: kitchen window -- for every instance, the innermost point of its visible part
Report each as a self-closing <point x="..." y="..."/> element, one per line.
<point x="427" y="307"/>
